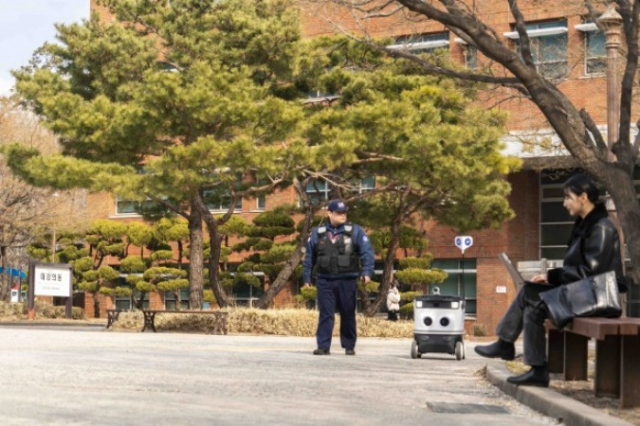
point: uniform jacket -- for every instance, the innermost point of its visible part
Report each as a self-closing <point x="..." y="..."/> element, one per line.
<point x="594" y="248"/>
<point x="361" y="244"/>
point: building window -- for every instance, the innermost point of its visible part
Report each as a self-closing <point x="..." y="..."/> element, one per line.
<point x="422" y="43"/>
<point x="170" y="302"/>
<point x="471" y="57"/>
<point x="595" y="52"/>
<point x="320" y="190"/>
<point x="216" y="200"/>
<point x="555" y="222"/>
<point x="548" y="47"/>
<point x="127" y="207"/>
<point x="365" y="184"/>
<point x="462" y="275"/>
<point x="261" y="202"/>
<point x="125" y="303"/>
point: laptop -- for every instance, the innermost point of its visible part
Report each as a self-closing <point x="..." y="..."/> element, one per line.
<point x="516" y="276"/>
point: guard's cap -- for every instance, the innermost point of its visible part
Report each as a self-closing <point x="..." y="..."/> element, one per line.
<point x="337" y="206"/>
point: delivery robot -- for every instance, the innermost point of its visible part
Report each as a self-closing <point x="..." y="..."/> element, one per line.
<point x="438" y="325"/>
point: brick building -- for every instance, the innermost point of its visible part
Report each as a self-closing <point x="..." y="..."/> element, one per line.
<point x="564" y="44"/>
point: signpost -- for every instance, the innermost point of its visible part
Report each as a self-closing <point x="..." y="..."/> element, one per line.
<point x="50" y="279"/>
<point x="463" y="242"/>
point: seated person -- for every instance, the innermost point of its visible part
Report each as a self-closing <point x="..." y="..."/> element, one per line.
<point x="594" y="248"/>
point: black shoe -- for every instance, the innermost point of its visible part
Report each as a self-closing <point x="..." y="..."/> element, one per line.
<point x="499" y="349"/>
<point x="321" y="351"/>
<point x="537" y="376"/>
<point x="349" y="352"/>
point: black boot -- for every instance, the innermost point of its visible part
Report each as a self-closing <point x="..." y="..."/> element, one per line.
<point x="537" y="376"/>
<point x="499" y="349"/>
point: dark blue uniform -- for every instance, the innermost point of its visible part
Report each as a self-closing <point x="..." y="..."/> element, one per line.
<point x="341" y="254"/>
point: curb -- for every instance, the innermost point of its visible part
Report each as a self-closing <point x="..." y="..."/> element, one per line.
<point x="53" y="324"/>
<point x="551" y="403"/>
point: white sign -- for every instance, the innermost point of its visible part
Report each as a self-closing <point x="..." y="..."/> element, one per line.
<point x="501" y="289"/>
<point x="463" y="242"/>
<point x="52" y="281"/>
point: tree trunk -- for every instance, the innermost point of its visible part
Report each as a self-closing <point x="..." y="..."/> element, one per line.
<point x="196" y="260"/>
<point x="4" y="287"/>
<point x="96" y="305"/>
<point x="294" y="260"/>
<point x="214" y="263"/>
<point x="387" y="271"/>
<point x="628" y="211"/>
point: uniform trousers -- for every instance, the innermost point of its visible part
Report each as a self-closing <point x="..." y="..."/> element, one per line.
<point x="341" y="294"/>
<point x="527" y="314"/>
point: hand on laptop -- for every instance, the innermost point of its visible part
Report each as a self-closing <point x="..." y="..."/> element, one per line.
<point x="540" y="278"/>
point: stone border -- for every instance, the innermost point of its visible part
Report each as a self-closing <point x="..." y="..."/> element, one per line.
<point x="551" y="403"/>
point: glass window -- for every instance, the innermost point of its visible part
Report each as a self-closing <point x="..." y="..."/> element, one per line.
<point x="220" y="200"/>
<point x="595" y="53"/>
<point x="549" y="51"/>
<point x="136" y="207"/>
<point x="318" y="191"/>
<point x="366" y="184"/>
<point x="471" y="57"/>
<point x="125" y="303"/>
<point x="170" y="299"/>
<point x="459" y="275"/>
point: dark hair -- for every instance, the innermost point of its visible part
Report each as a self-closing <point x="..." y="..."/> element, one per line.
<point x="580" y="184"/>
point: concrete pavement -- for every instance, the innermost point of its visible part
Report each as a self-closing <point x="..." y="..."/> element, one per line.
<point x="69" y="377"/>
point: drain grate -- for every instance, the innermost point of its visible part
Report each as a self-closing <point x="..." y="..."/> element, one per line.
<point x="446" y="407"/>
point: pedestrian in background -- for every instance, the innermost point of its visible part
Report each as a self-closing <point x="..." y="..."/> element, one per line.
<point x="393" y="301"/>
<point x="341" y="252"/>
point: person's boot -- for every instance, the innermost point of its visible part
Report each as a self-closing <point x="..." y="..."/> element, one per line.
<point x="536" y="376"/>
<point x="349" y="352"/>
<point x="499" y="349"/>
<point x="321" y="351"/>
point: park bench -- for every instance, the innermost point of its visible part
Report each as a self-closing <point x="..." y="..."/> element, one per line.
<point x="219" y="325"/>
<point x="617" y="371"/>
<point x="617" y="341"/>
<point x="112" y="316"/>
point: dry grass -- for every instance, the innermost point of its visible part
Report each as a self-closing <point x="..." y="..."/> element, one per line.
<point x="582" y="391"/>
<point x="18" y="311"/>
<point x="287" y="322"/>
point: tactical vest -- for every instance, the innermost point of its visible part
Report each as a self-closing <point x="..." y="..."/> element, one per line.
<point x="338" y="257"/>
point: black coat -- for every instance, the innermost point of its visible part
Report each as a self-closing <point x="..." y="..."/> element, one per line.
<point x="594" y="248"/>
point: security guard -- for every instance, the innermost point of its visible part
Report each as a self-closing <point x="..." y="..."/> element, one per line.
<point x="341" y="253"/>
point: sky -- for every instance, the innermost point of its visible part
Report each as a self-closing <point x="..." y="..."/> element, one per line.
<point x="26" y="25"/>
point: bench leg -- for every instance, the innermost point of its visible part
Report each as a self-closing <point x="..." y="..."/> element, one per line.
<point x="149" y="319"/>
<point x="630" y="372"/>
<point x="607" y="374"/>
<point x="109" y="319"/>
<point x="555" y="351"/>
<point x="575" y="360"/>
<point x="220" y="324"/>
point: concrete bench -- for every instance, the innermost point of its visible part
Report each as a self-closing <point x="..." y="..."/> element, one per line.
<point x="219" y="325"/>
<point x="617" y="371"/>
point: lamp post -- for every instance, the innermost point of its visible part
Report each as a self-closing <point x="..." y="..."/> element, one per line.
<point x="611" y="21"/>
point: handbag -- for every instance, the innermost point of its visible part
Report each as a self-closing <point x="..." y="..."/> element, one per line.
<point x="595" y="296"/>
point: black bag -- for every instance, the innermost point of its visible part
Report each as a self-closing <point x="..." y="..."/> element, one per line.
<point x="596" y="296"/>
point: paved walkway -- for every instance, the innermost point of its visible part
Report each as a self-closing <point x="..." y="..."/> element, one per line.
<point x="68" y="377"/>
